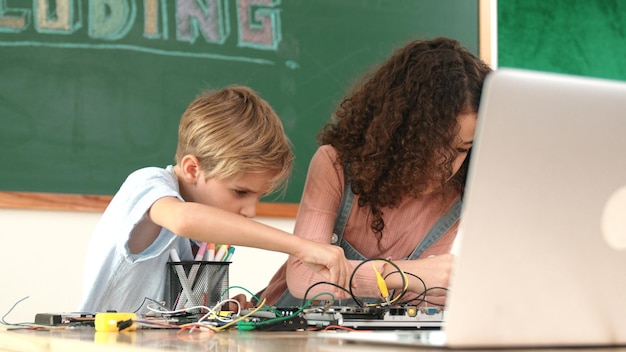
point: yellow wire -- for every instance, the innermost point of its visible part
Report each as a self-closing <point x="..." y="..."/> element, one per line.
<point x="382" y="285"/>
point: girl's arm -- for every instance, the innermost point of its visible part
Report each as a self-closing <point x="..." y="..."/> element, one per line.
<point x="316" y="216"/>
<point x="434" y="271"/>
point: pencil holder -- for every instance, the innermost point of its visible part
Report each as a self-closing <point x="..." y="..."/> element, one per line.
<point x="195" y="283"/>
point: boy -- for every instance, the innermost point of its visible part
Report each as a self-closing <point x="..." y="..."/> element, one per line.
<point x="231" y="150"/>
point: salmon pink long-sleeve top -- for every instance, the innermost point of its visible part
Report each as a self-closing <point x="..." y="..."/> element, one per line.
<point x="405" y="226"/>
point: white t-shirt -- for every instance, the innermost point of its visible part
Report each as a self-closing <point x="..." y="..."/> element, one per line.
<point x="115" y="279"/>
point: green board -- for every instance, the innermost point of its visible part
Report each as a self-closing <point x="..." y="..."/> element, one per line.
<point x="585" y="38"/>
<point x="92" y="90"/>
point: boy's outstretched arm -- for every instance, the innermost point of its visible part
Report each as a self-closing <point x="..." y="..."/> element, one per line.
<point x="210" y="224"/>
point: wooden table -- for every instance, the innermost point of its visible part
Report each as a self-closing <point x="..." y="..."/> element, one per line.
<point x="87" y="340"/>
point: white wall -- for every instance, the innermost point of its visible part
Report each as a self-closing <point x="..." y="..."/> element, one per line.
<point x="42" y="255"/>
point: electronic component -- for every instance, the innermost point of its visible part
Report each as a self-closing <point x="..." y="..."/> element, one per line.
<point x="269" y="321"/>
<point x="396" y="317"/>
<point x="115" y="321"/>
<point x="291" y="323"/>
<point x="64" y="318"/>
<point x="355" y="312"/>
<point x="323" y="319"/>
<point x="400" y="317"/>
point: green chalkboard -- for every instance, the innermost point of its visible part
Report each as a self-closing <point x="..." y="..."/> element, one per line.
<point x="92" y="90"/>
<point x="586" y="38"/>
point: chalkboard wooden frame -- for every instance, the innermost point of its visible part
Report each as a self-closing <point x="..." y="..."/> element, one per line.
<point x="97" y="203"/>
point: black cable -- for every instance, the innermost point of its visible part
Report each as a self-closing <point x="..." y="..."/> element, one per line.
<point x="306" y="293"/>
<point x="405" y="291"/>
<point x="124" y="324"/>
<point x="421" y="297"/>
<point x="349" y="290"/>
<point x="398" y="270"/>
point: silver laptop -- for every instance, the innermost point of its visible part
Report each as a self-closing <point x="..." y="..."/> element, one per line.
<point x="542" y="255"/>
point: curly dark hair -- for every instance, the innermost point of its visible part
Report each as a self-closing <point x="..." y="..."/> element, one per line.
<point x="395" y="129"/>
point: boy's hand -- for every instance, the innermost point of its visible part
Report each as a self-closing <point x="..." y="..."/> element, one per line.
<point x="243" y="303"/>
<point x="327" y="260"/>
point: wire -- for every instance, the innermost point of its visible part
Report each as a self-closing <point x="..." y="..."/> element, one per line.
<point x="250" y="325"/>
<point x="136" y="311"/>
<point x="424" y="294"/>
<point x="32" y="325"/>
<point x="359" y="302"/>
<point x="382" y="285"/>
<point x="241" y="288"/>
<point x="306" y="293"/>
<point x="405" y="281"/>
<point x="339" y="327"/>
<point x="217" y="308"/>
<point x="421" y="297"/>
<point x="242" y="317"/>
<point x="4" y="322"/>
<point x="210" y="319"/>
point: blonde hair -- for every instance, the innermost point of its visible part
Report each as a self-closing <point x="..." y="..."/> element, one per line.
<point x="233" y="131"/>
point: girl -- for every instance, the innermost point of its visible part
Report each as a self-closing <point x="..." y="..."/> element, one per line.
<point x="387" y="180"/>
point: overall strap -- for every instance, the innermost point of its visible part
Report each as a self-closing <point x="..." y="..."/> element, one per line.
<point x="342" y="215"/>
<point x="340" y="225"/>
<point x="439" y="229"/>
<point x="442" y="226"/>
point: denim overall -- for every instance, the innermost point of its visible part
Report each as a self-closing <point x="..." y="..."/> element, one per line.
<point x="442" y="226"/>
